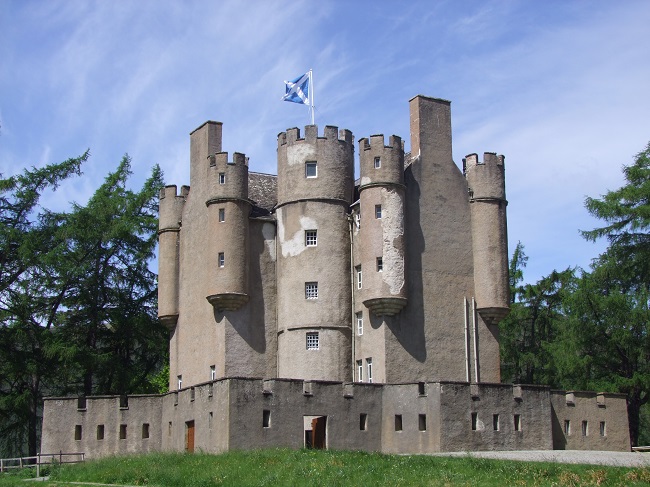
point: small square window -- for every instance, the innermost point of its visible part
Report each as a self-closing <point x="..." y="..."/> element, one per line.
<point x="100" y="431"/>
<point x="77" y="432"/>
<point x="585" y="428"/>
<point x="266" y="418"/>
<point x="377" y="162"/>
<point x="311" y="169"/>
<point x="495" y="422"/>
<point x="380" y="264"/>
<point x="567" y="427"/>
<point x="222" y="215"/>
<point x="222" y="178"/>
<point x="213" y="372"/>
<point x="358" y="271"/>
<point x="398" y="422"/>
<point x="122" y="432"/>
<point x="222" y="259"/>
<point x="422" y="422"/>
<point x="311" y="238"/>
<point x="369" y="368"/>
<point x="360" y="370"/>
<point x="312" y="340"/>
<point x="311" y="290"/>
<point x="377" y="211"/>
<point x="603" y="431"/>
<point x="363" y="422"/>
<point x="360" y="323"/>
<point x="145" y="430"/>
<point x="517" y="420"/>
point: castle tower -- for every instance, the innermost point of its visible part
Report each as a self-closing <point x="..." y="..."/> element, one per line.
<point x="228" y="212"/>
<point x="382" y="244"/>
<point x="487" y="196"/>
<point x="169" y="227"/>
<point x="315" y="188"/>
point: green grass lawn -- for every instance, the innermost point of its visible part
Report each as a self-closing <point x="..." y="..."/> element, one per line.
<point x="329" y="468"/>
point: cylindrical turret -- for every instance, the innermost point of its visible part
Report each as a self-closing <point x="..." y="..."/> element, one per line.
<point x="382" y="225"/>
<point x="228" y="212"/>
<point x="169" y="226"/>
<point x="487" y="194"/>
<point x="315" y="188"/>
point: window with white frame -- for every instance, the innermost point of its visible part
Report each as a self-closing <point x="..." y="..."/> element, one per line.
<point x="222" y="214"/>
<point x="180" y="382"/>
<point x="311" y="238"/>
<point x="360" y="323"/>
<point x="380" y="264"/>
<point x="222" y="178"/>
<point x="213" y="372"/>
<point x="311" y="290"/>
<point x="357" y="220"/>
<point x="377" y="211"/>
<point x="312" y="340"/>
<point x="377" y="162"/>
<point x="222" y="259"/>
<point x="358" y="271"/>
<point x="311" y="169"/>
<point x="369" y="369"/>
<point x="359" y="370"/>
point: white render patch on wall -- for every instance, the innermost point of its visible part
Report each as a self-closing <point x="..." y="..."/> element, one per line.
<point x="392" y="224"/>
<point x="296" y="244"/>
<point x="268" y="233"/>
<point x="365" y="180"/>
<point x="300" y="153"/>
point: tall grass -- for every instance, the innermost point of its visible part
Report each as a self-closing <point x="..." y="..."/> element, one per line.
<point x="332" y="468"/>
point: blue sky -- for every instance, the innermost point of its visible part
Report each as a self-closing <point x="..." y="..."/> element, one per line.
<point x="561" y="88"/>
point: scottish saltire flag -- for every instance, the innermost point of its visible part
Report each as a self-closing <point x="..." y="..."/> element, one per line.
<point x="298" y="90"/>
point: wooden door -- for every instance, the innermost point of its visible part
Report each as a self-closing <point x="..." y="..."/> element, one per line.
<point x="318" y="432"/>
<point x="189" y="436"/>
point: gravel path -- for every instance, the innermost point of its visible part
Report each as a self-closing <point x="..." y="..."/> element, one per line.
<point x="611" y="458"/>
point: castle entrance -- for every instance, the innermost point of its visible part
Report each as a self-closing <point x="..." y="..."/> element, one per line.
<point x="315" y="432"/>
<point x="189" y="436"/>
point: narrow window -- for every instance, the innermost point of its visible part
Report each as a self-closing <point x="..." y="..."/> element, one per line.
<point x="124" y="402"/>
<point x="169" y="429"/>
<point x="100" y="431"/>
<point x="360" y="323"/>
<point x="145" y="430"/>
<point x="192" y="396"/>
<point x="222" y="178"/>
<point x="357" y="220"/>
<point x="369" y="368"/>
<point x="122" y="432"/>
<point x="585" y="428"/>
<point x="311" y="290"/>
<point x="213" y="372"/>
<point x="517" y="419"/>
<point x="180" y="382"/>
<point x="266" y="418"/>
<point x="311" y="238"/>
<point x="81" y="403"/>
<point x="422" y="422"/>
<point x="222" y="214"/>
<point x="77" y="432"/>
<point x="377" y="211"/>
<point x="210" y="416"/>
<point x="495" y="422"/>
<point x="360" y="370"/>
<point x="311" y="169"/>
<point x="363" y="421"/>
<point x="603" y="431"/>
<point x="567" y="427"/>
<point x="312" y="340"/>
<point x="380" y="264"/>
<point x="398" y="422"/>
<point x="222" y="259"/>
<point x="358" y="271"/>
<point x="377" y="162"/>
<point x="475" y="421"/>
<point x="421" y="390"/>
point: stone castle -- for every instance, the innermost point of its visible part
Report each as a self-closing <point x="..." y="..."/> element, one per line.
<point x="310" y="309"/>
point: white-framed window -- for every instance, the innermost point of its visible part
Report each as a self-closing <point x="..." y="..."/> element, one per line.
<point x="357" y="220"/>
<point x="585" y="428"/>
<point x="358" y="271"/>
<point x="180" y="382"/>
<point x="359" y="370"/>
<point x="380" y="264"/>
<point x="311" y="169"/>
<point x="312" y="340"/>
<point x="311" y="238"/>
<point x="222" y="259"/>
<point x="360" y="323"/>
<point x="567" y="427"/>
<point x="213" y="372"/>
<point x="377" y="162"/>
<point x="222" y="214"/>
<point x="369" y="369"/>
<point x="311" y="290"/>
<point x="603" y="430"/>
<point x="222" y="178"/>
<point x="377" y="211"/>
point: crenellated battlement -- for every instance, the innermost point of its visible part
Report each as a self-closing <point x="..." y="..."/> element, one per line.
<point x="376" y="142"/>
<point x="489" y="159"/>
<point x="330" y="132"/>
<point x="381" y="164"/>
<point x="220" y="159"/>
<point x="171" y="207"/>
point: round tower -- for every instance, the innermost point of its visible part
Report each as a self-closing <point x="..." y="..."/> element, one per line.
<point x="169" y="227"/>
<point x="228" y="212"/>
<point x="487" y="196"/>
<point x="315" y="188"/>
<point x="381" y="194"/>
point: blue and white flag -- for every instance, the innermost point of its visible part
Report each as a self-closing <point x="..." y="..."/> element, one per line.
<point x="298" y="90"/>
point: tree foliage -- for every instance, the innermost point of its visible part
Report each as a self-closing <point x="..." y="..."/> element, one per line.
<point x="77" y="298"/>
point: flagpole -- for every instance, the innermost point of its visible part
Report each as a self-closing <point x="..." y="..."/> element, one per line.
<point x="311" y="89"/>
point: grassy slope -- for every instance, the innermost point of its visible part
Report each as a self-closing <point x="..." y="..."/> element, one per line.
<point x="332" y="468"/>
